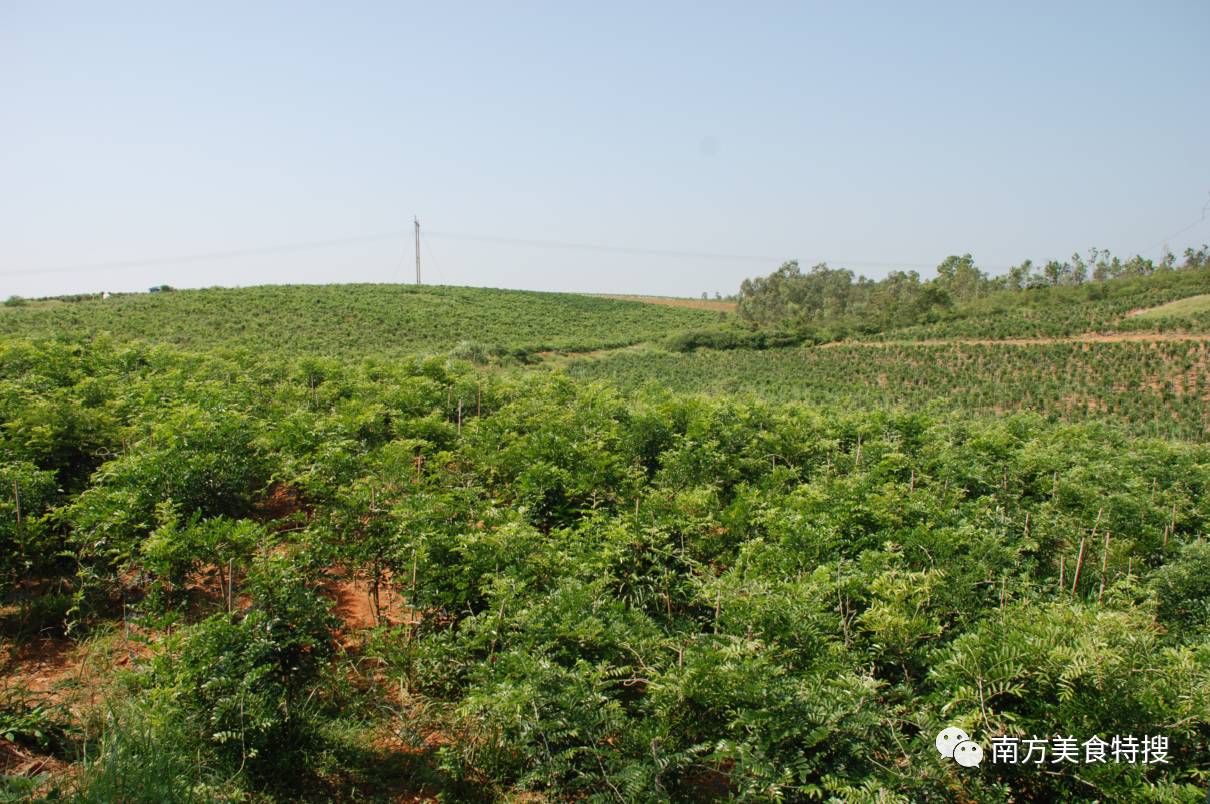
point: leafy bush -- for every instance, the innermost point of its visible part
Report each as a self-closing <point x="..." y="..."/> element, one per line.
<point x="730" y="338"/>
<point x="243" y="683"/>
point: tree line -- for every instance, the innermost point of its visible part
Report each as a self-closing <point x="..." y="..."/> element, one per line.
<point x="833" y="301"/>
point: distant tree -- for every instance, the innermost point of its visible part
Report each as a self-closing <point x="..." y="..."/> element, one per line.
<point x="1018" y="276"/>
<point x="1079" y="270"/>
<point x="960" y="278"/>
<point x="1054" y="272"/>
<point x="1197" y="259"/>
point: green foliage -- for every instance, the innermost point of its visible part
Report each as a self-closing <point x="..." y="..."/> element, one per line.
<point x="31" y="723"/>
<point x="201" y="462"/>
<point x="140" y="758"/>
<point x="354" y="320"/>
<point x="242" y="685"/>
<point x="1057" y="668"/>
<point x="629" y="597"/>
<point x="1155" y="389"/>
<point x="28" y="545"/>
<point x="1059" y="299"/>
<point x="729" y="338"/>
<point x="1182" y="587"/>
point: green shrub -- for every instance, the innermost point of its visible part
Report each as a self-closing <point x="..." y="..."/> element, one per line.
<point x="243" y="684"/>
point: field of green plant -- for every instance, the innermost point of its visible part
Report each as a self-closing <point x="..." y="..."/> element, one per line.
<point x="255" y="545"/>
<point x="1148" y="388"/>
<point x="355" y="320"/>
<point x="570" y="594"/>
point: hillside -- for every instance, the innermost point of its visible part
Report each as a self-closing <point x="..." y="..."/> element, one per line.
<point x="357" y="319"/>
<point x="424" y="581"/>
<point x="1187" y="308"/>
<point x="679" y="560"/>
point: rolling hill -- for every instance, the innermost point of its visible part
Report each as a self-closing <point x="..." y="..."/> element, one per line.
<point x="350" y="320"/>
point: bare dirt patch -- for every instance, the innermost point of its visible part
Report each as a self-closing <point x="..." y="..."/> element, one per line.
<point x="282" y="502"/>
<point x="57" y="670"/>
<point x="354" y="604"/>
<point x="718" y="305"/>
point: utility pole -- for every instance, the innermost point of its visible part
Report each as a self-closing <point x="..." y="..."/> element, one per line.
<point x="417" y="222"/>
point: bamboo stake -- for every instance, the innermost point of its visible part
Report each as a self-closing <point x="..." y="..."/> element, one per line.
<point x="1079" y="565"/>
<point x="1104" y="567"/>
<point x="1080" y="560"/>
<point x="1171" y="524"/>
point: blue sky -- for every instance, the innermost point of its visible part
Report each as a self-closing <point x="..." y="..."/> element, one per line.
<point x="861" y="134"/>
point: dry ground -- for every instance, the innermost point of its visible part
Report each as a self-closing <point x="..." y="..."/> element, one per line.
<point x="674" y="301"/>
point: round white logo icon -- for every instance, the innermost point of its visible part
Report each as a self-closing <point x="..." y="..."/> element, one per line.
<point x="949" y="738"/>
<point x="968" y="753"/>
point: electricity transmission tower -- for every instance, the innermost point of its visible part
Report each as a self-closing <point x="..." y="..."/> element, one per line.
<point x="416" y="221"/>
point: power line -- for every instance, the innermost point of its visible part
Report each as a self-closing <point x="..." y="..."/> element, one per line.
<point x="1164" y="240"/>
<point x="495" y="239"/>
<point x="209" y="255"/>
<point x="432" y="258"/>
<point x="399" y="233"/>
<point x="648" y="252"/>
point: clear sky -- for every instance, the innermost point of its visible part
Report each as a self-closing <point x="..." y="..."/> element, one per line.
<point x="855" y="133"/>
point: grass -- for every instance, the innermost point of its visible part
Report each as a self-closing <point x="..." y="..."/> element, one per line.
<point x="1181" y="308"/>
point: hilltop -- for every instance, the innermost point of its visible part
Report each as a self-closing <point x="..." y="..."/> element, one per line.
<point x="350" y="320"/>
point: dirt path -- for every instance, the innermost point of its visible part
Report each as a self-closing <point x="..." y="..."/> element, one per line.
<point x="717" y="305"/>
<point x="1089" y="337"/>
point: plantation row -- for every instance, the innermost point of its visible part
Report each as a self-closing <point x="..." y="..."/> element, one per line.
<point x="659" y="598"/>
<point x="1147" y="388"/>
<point x="353" y="320"/>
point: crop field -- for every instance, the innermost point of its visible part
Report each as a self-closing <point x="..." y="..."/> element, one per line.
<point x="1157" y="388"/>
<point x="412" y="578"/>
<point x="440" y="544"/>
<point x="356" y="320"/>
